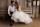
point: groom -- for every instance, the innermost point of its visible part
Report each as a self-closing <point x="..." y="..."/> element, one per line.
<point x="11" y="9"/>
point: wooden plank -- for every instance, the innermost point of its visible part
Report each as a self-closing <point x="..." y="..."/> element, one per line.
<point x="3" y="3"/>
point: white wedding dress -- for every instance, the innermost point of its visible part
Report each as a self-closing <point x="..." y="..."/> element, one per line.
<point x="21" y="16"/>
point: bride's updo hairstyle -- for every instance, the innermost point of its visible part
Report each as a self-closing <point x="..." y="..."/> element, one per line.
<point x="17" y="5"/>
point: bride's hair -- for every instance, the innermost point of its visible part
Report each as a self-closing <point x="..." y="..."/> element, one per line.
<point x="17" y="5"/>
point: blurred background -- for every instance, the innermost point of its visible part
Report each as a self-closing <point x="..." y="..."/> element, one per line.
<point x="31" y="7"/>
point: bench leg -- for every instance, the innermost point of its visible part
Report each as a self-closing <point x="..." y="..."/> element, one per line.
<point x="3" y="18"/>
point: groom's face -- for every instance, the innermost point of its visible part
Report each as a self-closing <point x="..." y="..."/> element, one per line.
<point x="13" y="3"/>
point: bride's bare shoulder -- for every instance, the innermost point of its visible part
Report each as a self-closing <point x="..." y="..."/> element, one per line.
<point x="20" y="7"/>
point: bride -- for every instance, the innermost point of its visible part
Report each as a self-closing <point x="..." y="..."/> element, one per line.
<point x="19" y="16"/>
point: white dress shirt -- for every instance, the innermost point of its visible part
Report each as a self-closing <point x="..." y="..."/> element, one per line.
<point x="12" y="9"/>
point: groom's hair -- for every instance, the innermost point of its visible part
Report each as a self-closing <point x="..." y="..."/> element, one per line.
<point x="12" y="2"/>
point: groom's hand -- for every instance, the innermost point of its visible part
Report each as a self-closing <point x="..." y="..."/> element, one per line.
<point x="9" y="14"/>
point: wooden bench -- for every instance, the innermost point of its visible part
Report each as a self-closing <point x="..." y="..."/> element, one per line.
<point x="2" y="13"/>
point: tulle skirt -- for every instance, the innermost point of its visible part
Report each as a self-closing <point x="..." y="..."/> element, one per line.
<point x="22" y="17"/>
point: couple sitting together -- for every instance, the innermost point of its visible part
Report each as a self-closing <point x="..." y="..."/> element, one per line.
<point x="14" y="11"/>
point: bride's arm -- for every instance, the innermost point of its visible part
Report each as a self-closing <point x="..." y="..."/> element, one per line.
<point x="19" y="8"/>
